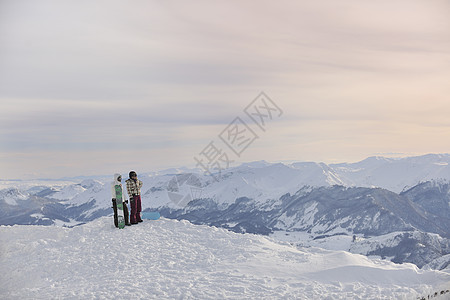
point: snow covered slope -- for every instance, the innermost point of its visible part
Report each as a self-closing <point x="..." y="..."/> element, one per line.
<point x="171" y="259"/>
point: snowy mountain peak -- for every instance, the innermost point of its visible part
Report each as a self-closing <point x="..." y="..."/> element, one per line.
<point x="375" y="160"/>
<point x="255" y="164"/>
<point x="91" y="183"/>
<point x="11" y="195"/>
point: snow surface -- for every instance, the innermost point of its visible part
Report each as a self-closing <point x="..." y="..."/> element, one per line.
<point x="172" y="259"/>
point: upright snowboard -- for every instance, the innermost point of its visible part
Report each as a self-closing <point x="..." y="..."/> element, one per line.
<point x="118" y="212"/>
<point x="150" y="215"/>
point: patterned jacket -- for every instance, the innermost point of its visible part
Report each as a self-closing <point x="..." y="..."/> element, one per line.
<point x="133" y="188"/>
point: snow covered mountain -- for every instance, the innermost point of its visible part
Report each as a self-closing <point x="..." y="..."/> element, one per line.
<point x="392" y="208"/>
<point x="169" y="259"/>
<point x="70" y="204"/>
<point x="394" y="174"/>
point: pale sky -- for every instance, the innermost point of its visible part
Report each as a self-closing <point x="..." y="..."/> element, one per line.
<point x="97" y="87"/>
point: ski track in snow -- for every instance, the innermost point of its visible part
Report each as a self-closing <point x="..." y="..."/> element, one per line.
<point x="169" y="259"/>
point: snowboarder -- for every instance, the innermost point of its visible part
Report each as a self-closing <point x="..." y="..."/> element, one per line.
<point x="118" y="196"/>
<point x="134" y="192"/>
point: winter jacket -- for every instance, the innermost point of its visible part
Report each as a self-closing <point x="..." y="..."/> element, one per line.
<point x="134" y="187"/>
<point x="113" y="187"/>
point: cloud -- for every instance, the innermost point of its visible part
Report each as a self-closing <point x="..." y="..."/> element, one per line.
<point x="80" y="76"/>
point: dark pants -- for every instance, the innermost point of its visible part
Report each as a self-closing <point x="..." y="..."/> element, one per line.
<point x="135" y="215"/>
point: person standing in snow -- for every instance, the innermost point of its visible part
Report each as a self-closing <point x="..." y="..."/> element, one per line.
<point x="118" y="181"/>
<point x="134" y="192"/>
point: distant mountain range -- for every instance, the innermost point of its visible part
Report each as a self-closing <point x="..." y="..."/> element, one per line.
<point x="393" y="208"/>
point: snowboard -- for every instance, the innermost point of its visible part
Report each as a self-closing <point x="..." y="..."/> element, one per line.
<point x="150" y="215"/>
<point x="119" y="204"/>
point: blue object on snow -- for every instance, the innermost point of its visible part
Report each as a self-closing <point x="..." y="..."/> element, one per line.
<point x="150" y="215"/>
